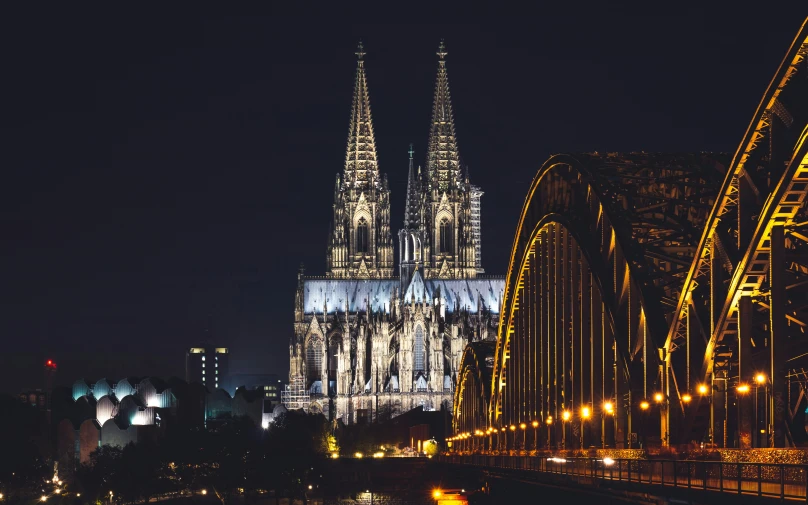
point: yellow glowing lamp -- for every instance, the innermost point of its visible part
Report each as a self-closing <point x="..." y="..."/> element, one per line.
<point x="760" y="378"/>
<point x="535" y="424"/>
<point x="585" y="413"/>
<point x="743" y="388"/>
<point x="549" y="420"/>
<point x="513" y="427"/>
<point x="566" y="415"/>
<point x="702" y="389"/>
<point x="436" y="494"/>
<point x="686" y="398"/>
<point x="608" y="407"/>
<point x="644" y="405"/>
<point x="523" y="426"/>
<point x="503" y="429"/>
<point x="658" y="397"/>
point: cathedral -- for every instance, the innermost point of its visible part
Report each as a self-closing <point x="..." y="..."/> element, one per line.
<point x="369" y="343"/>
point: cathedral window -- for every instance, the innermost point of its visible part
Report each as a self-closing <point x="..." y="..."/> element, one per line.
<point x="419" y="349"/>
<point x="445" y="236"/>
<point x="362" y="237"/>
<point x="314" y="361"/>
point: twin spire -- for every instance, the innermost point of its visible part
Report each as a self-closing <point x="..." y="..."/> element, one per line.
<point x="443" y="158"/>
<point x="361" y="165"/>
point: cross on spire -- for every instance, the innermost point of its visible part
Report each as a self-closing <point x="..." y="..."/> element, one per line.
<point x="360" y="51"/>
<point x="442" y="51"/>
<point x="411" y="152"/>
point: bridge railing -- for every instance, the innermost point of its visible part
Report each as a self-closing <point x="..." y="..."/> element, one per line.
<point x="783" y="481"/>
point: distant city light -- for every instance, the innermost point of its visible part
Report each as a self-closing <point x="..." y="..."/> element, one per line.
<point x="608" y="461"/>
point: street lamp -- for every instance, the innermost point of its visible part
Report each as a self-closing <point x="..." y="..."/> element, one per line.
<point x="523" y="427"/>
<point x="658" y="397"/>
<point x="644" y="405"/>
<point x="686" y="398"/>
<point x="513" y="440"/>
<point x="565" y="416"/>
<point x="535" y="425"/>
<point x="586" y="413"/>
<point x="549" y="422"/>
<point x="608" y="410"/>
<point x="760" y="379"/>
<point x="743" y="388"/>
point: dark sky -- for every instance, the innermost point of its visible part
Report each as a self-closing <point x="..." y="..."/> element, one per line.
<point x="166" y="174"/>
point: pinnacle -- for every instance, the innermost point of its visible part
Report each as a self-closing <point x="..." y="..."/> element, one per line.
<point x="361" y="166"/>
<point x="443" y="158"/>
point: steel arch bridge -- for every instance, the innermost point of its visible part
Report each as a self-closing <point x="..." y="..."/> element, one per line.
<point x="659" y="298"/>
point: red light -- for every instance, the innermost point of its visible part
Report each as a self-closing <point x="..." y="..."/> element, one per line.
<point x="50" y="362"/>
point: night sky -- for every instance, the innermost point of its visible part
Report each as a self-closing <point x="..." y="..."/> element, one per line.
<point x="163" y="176"/>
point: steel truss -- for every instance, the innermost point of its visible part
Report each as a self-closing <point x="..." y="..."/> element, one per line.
<point x="644" y="289"/>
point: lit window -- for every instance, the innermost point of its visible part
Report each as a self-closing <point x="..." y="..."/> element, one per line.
<point x="217" y="358"/>
<point x="203" y="358"/>
<point x="217" y="365"/>
<point x="203" y="372"/>
<point x="203" y="365"/>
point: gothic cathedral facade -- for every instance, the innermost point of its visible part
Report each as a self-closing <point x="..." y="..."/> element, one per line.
<point x="369" y="344"/>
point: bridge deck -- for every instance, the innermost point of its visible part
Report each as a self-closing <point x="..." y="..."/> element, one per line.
<point x="780" y="481"/>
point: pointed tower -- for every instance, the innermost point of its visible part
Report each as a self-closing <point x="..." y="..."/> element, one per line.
<point x="443" y="158"/>
<point x="361" y="245"/>
<point x="411" y="238"/>
<point x="450" y="240"/>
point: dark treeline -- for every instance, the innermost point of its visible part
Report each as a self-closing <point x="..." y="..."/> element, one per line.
<point x="237" y="458"/>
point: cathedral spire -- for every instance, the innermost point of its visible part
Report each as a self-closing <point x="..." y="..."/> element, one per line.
<point x="443" y="158"/>
<point x="411" y="220"/>
<point x="361" y="166"/>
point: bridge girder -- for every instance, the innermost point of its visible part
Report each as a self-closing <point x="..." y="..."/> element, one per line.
<point x="635" y="274"/>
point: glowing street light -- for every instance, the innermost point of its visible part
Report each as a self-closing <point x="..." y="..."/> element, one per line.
<point x="608" y="407"/>
<point x="585" y="413"/>
<point x="566" y="415"/>
<point x="535" y="424"/>
<point x="658" y="397"/>
<point x="686" y="398"/>
<point x="760" y="378"/>
<point x="310" y="487"/>
<point x="437" y="494"/>
<point x="644" y="405"/>
<point x="43" y="498"/>
<point x="549" y="420"/>
<point x="703" y="389"/>
<point x="743" y="388"/>
<point x="204" y="491"/>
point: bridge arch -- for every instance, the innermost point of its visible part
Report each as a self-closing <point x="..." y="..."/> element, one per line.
<point x="599" y="236"/>
<point x="473" y="391"/>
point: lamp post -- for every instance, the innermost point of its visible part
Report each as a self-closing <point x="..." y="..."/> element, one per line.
<point x="586" y="413"/>
<point x="523" y="427"/>
<point x="761" y="381"/>
<point x="504" y="445"/>
<point x="608" y="410"/>
<point x="535" y="425"/>
<point x="703" y="391"/>
<point x="565" y="416"/>
<point x="659" y="398"/>
<point x="549" y="422"/>
<point x="513" y="436"/>
<point x="644" y="406"/>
